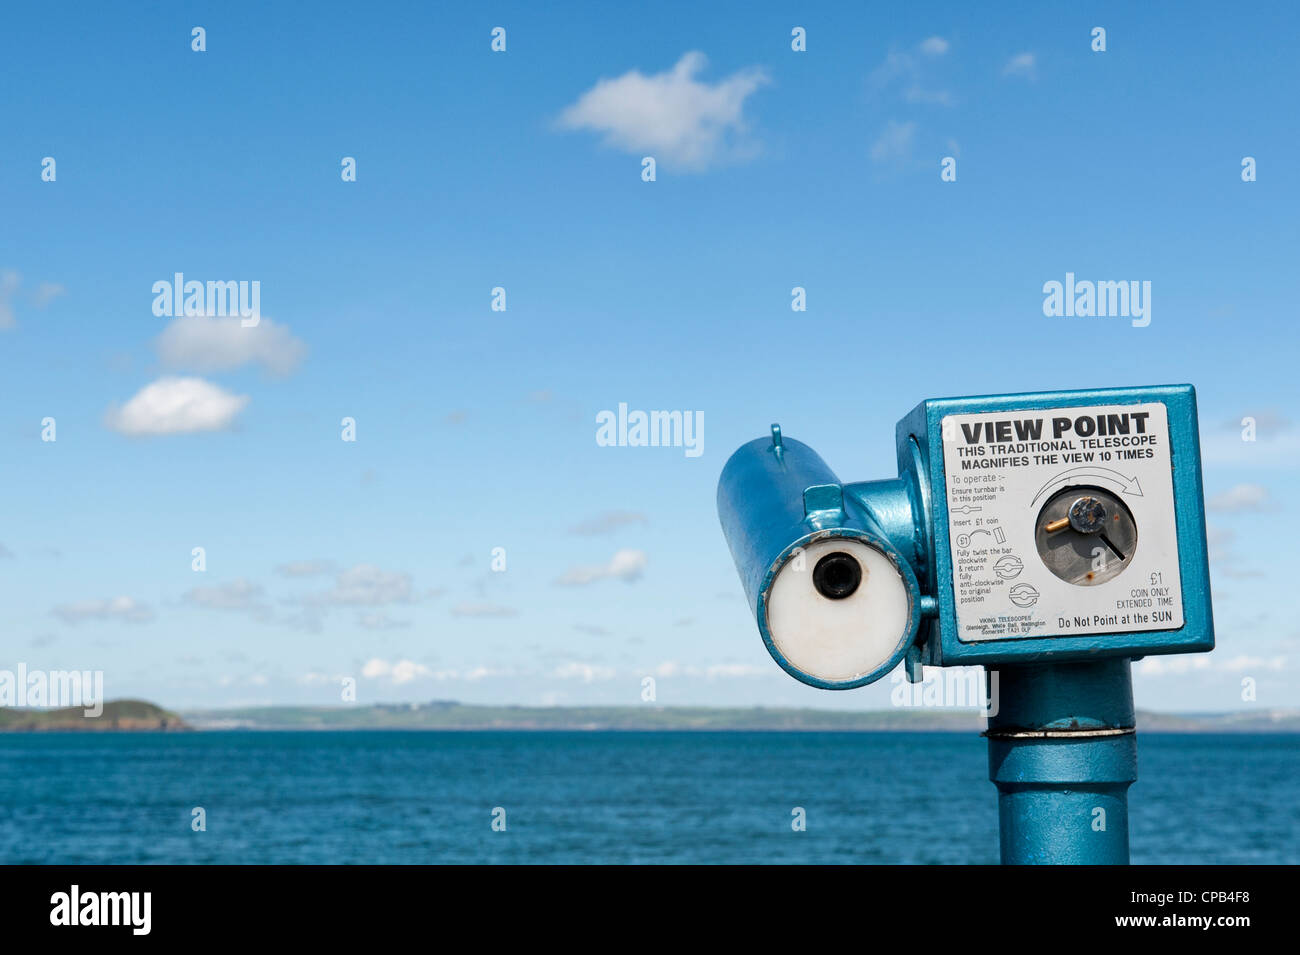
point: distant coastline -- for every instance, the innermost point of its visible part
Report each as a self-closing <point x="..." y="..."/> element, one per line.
<point x="139" y="715"/>
<point x="449" y="715"/>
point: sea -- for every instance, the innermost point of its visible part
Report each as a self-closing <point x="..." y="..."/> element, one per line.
<point x="598" y="797"/>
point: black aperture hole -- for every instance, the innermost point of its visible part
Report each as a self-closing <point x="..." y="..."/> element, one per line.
<point x="837" y="575"/>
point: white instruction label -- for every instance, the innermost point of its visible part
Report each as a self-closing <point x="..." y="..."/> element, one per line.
<point x="1062" y="522"/>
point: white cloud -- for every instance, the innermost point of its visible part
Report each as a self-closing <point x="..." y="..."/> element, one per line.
<point x="894" y="142"/>
<point x="1273" y="449"/>
<point x="896" y="65"/>
<point x="483" y="610"/>
<point x="735" y="670"/>
<point x="673" y="115"/>
<point x="305" y="568"/>
<point x="9" y="282"/>
<point x="123" y="609"/>
<point x="380" y="621"/>
<point x="913" y="74"/>
<point x="253" y="679"/>
<point x="1022" y="64"/>
<point x="213" y="343"/>
<point x="1241" y="497"/>
<point x="402" y="671"/>
<point x="1224" y="561"/>
<point x="46" y="293"/>
<point x="317" y="678"/>
<point x="406" y="671"/>
<point x="915" y="94"/>
<point x="625" y="565"/>
<point x="1218" y="541"/>
<point x="1274" y="441"/>
<point x="713" y="671"/>
<point x="586" y="672"/>
<point x="1186" y="663"/>
<point x="239" y="594"/>
<point x="1176" y="665"/>
<point x="365" y="585"/>
<point x="608" y="522"/>
<point x="1244" y="662"/>
<point x="176" y="406"/>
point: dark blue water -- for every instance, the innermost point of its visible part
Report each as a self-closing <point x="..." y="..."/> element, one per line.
<point x="393" y="797"/>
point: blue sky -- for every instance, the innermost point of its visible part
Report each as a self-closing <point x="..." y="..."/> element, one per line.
<point x="476" y="428"/>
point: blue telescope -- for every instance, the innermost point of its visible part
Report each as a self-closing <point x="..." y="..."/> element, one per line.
<point x="1051" y="538"/>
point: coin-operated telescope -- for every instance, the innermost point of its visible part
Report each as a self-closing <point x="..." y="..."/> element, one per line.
<point x="1052" y="538"/>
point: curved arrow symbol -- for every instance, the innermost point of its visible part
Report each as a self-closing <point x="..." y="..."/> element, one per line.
<point x="1128" y="485"/>
<point x="1023" y="595"/>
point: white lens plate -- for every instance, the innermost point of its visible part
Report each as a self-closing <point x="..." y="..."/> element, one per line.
<point x="837" y="640"/>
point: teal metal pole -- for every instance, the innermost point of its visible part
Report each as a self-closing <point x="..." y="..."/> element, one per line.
<point x="1062" y="753"/>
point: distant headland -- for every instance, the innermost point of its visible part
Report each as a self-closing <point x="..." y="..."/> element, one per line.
<point x="134" y="715"/>
<point x="116" y="715"/>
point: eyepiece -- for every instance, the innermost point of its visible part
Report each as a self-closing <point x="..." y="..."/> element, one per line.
<point x="837" y="575"/>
